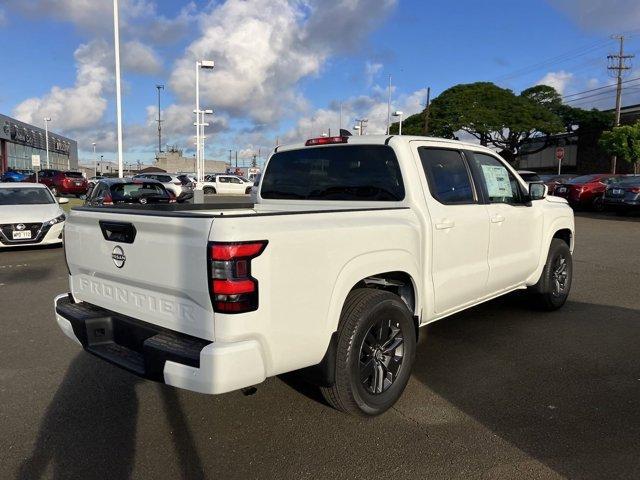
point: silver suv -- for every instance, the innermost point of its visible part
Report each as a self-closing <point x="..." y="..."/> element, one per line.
<point x="180" y="185"/>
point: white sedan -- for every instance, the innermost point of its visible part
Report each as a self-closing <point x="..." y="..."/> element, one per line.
<point x="29" y="215"/>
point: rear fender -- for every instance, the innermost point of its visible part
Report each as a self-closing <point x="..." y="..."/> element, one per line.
<point x="367" y="265"/>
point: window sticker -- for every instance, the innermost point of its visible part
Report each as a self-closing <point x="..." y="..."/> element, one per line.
<point x="497" y="180"/>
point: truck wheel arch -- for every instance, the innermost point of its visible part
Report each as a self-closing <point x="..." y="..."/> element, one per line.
<point x="372" y="270"/>
<point x="563" y="229"/>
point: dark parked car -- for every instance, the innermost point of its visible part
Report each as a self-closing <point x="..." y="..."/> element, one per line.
<point x="586" y="191"/>
<point x="553" y="180"/>
<point x="64" y="183"/>
<point x="18" y="175"/>
<point x="624" y="195"/>
<point x="114" y="191"/>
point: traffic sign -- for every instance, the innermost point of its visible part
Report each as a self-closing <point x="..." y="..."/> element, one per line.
<point x="560" y="153"/>
<point x="35" y="160"/>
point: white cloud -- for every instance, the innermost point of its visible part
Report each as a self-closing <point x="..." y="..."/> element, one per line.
<point x="81" y="106"/>
<point x="3" y="17"/>
<point x="602" y="15"/>
<point x="371" y="70"/>
<point x="373" y="108"/>
<point x="558" y="80"/>
<point x="263" y="48"/>
<point x="140" y="58"/>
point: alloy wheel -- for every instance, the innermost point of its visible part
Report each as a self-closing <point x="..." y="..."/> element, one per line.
<point x="381" y="355"/>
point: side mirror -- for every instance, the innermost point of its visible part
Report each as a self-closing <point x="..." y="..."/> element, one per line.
<point x="537" y="190"/>
<point x="63" y="200"/>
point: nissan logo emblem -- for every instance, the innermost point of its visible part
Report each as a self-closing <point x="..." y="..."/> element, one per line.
<point x="118" y="257"/>
<point x="20" y="226"/>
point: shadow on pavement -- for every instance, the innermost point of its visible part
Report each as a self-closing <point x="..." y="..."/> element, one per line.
<point x="563" y="387"/>
<point x="89" y="428"/>
<point x="190" y="462"/>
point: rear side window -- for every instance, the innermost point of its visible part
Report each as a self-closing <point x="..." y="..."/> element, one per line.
<point x="351" y="173"/>
<point x="73" y="174"/>
<point x="447" y="175"/>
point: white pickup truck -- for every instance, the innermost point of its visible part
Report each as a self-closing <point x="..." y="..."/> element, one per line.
<point x="354" y="243"/>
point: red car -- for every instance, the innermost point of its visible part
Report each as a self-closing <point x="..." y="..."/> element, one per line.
<point x="587" y="191"/>
<point x="64" y="183"/>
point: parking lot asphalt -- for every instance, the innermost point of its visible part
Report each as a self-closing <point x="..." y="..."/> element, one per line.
<point x="499" y="391"/>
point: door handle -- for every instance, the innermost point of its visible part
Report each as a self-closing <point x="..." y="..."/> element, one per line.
<point x="497" y="219"/>
<point x="445" y="224"/>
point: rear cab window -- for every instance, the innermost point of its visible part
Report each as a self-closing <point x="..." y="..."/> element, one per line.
<point x="448" y="176"/>
<point x="346" y="172"/>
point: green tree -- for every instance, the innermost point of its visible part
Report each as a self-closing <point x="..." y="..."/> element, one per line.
<point x="623" y="142"/>
<point x="493" y="115"/>
<point x="498" y="117"/>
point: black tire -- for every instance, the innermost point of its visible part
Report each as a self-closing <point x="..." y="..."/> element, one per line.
<point x="209" y="190"/>
<point x="597" y="205"/>
<point x="552" y="290"/>
<point x="369" y="380"/>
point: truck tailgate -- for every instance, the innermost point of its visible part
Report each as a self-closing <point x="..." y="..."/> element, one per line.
<point x="149" y="267"/>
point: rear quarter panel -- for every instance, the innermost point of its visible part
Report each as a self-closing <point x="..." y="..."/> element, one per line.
<point x="311" y="263"/>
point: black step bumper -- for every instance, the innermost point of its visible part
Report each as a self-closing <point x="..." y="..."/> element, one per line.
<point x="134" y="345"/>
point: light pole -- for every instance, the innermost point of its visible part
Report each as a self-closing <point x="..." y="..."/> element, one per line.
<point x="116" y="44"/>
<point x="95" y="161"/>
<point x="46" y="137"/>
<point x="205" y="64"/>
<point x="101" y="162"/>
<point x="398" y="113"/>
<point x="202" y="137"/>
<point x="159" y="87"/>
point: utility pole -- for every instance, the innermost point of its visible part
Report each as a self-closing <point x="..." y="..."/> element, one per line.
<point x="388" y="108"/>
<point x="362" y="123"/>
<point x="618" y="64"/>
<point x="229" y="158"/>
<point x="159" y="87"/>
<point x="426" y="112"/>
<point x="236" y="159"/>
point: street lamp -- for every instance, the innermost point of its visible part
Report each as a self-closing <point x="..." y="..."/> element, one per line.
<point x="398" y="113"/>
<point x="202" y="137"/>
<point x="116" y="44"/>
<point x="46" y="137"/>
<point x="207" y="65"/>
<point x="95" y="161"/>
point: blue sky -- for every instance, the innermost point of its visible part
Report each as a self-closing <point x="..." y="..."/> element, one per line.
<point x="283" y="66"/>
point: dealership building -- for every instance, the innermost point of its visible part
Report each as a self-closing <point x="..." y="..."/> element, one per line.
<point x="19" y="141"/>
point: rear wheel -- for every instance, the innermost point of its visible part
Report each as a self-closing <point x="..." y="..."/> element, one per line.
<point x="552" y="290"/>
<point x="209" y="190"/>
<point x="598" y="204"/>
<point x="374" y="355"/>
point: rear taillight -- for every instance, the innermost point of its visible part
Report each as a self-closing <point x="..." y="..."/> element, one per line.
<point x="634" y="190"/>
<point x="233" y="289"/>
<point x="172" y="197"/>
<point x="107" y="200"/>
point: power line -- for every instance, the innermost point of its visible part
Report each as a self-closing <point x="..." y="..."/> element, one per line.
<point x="571" y="54"/>
<point x="599" y="88"/>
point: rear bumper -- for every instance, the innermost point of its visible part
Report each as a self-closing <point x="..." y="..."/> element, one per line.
<point x="159" y="354"/>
